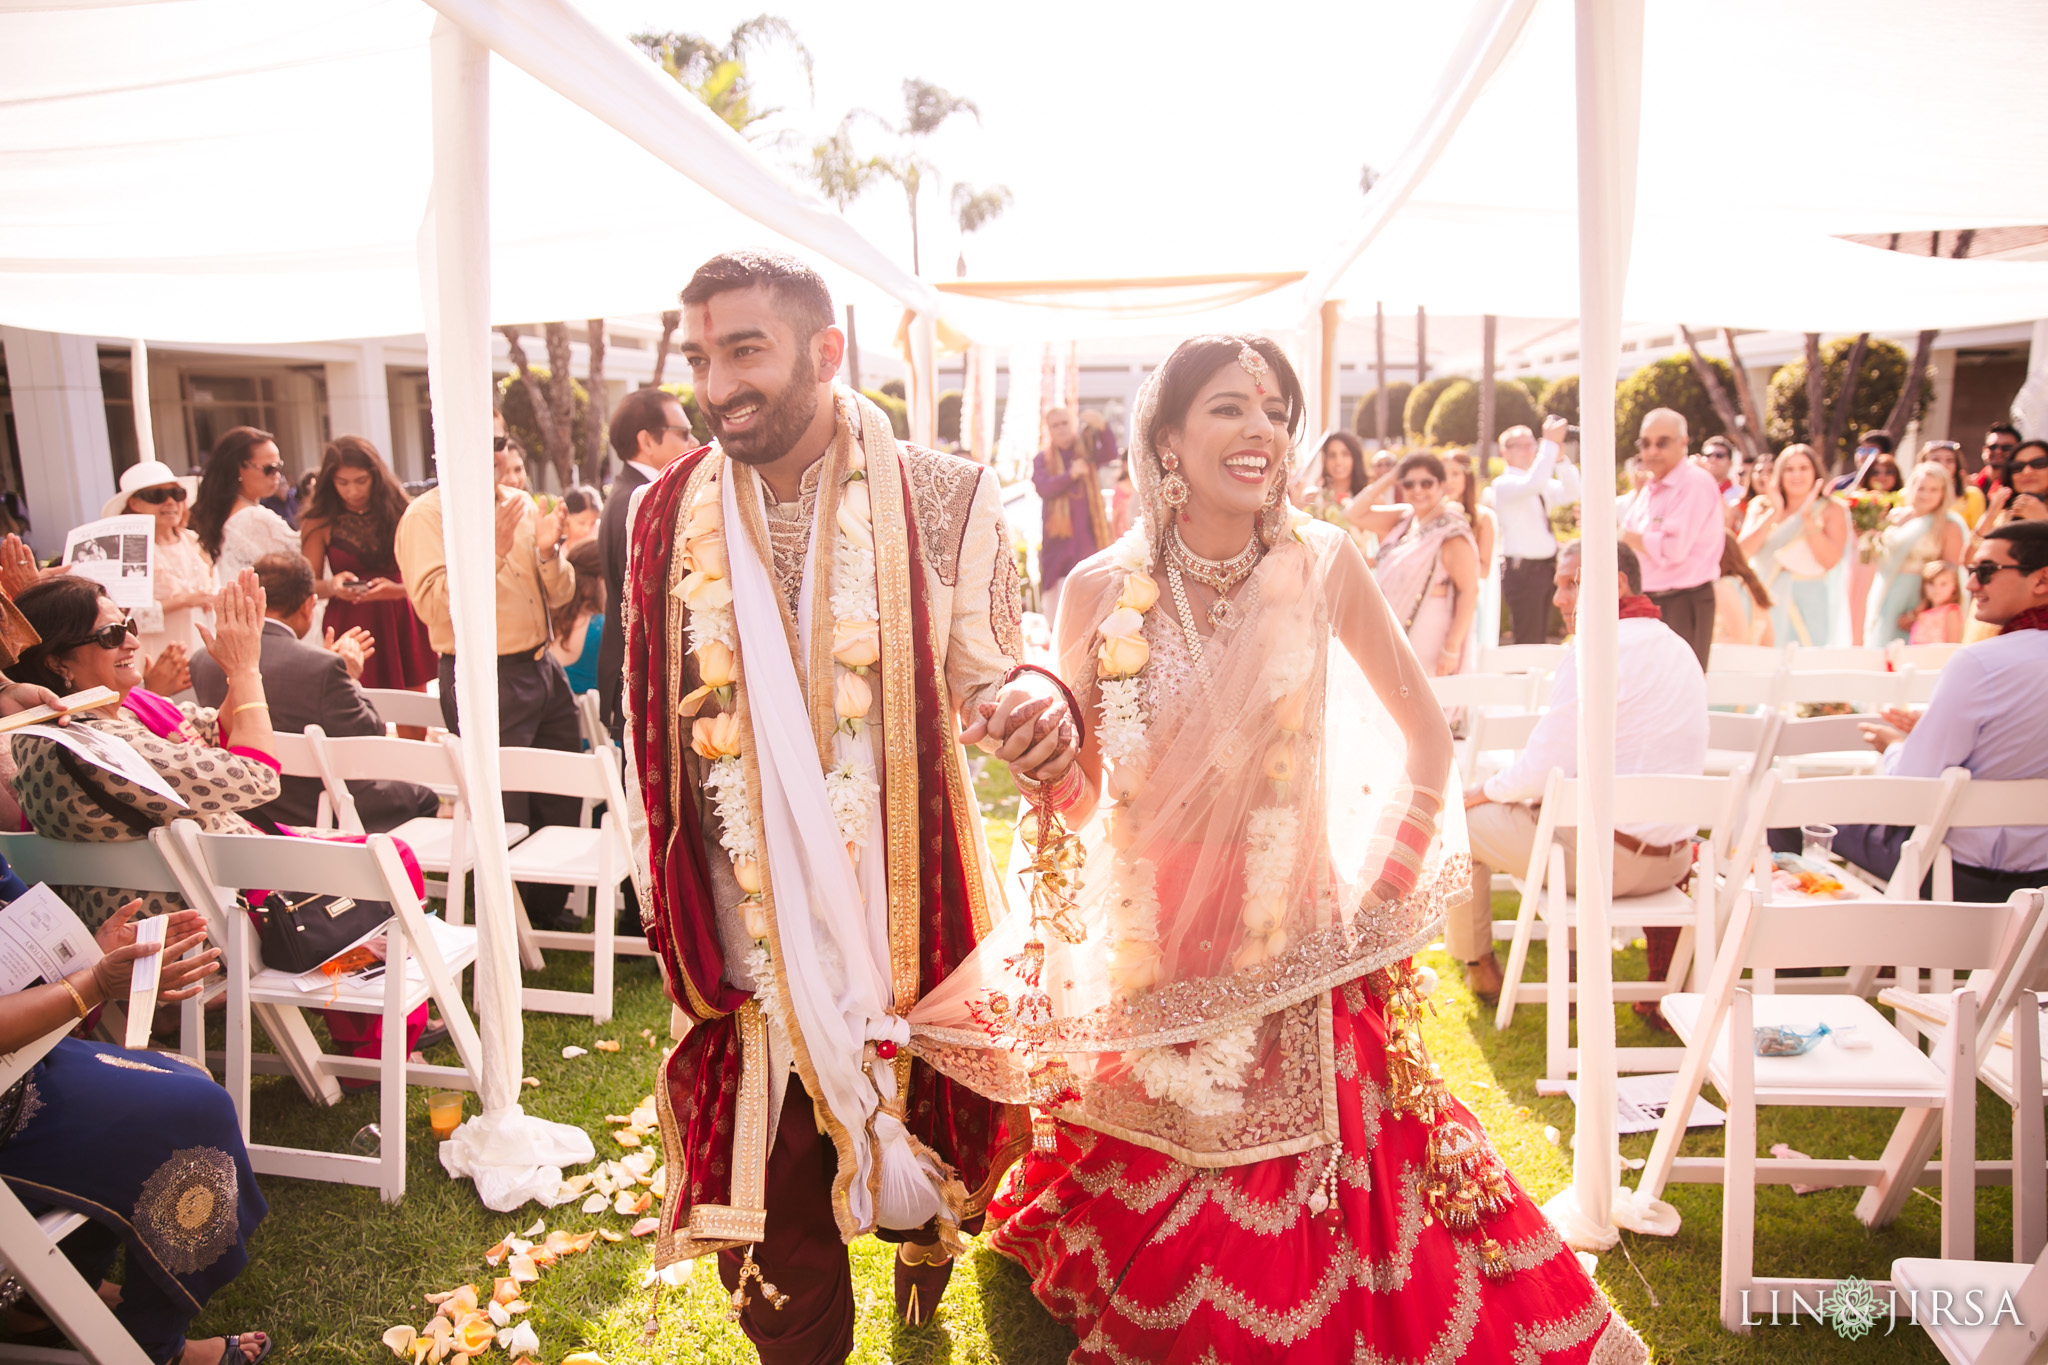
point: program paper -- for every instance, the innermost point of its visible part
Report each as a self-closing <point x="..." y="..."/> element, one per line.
<point x="119" y="554"/>
<point x="42" y="940"/>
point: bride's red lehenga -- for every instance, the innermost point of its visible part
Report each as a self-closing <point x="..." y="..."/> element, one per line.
<point x="1253" y="1158"/>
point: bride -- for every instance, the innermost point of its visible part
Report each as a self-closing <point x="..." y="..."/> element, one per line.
<point x="1249" y="1155"/>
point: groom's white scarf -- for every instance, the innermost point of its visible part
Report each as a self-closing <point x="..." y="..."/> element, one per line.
<point x="831" y="917"/>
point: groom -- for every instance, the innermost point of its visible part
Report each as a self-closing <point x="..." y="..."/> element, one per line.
<point x="817" y="617"/>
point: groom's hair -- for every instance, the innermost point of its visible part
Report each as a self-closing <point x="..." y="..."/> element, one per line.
<point x="801" y="297"/>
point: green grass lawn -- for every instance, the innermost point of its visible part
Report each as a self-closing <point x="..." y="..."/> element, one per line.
<point x="332" y="1267"/>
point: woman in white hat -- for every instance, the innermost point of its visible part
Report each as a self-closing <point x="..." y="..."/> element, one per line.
<point x="184" y="575"/>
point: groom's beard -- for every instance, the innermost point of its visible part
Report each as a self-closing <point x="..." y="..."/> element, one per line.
<point x="781" y="423"/>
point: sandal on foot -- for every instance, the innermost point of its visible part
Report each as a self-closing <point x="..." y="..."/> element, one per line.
<point x="920" y="1283"/>
<point x="231" y="1353"/>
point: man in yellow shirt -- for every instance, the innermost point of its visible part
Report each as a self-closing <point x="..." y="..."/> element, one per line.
<point x="535" y="706"/>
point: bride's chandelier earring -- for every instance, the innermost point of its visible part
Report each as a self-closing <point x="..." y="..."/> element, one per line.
<point x="1272" y="515"/>
<point x="1173" y="489"/>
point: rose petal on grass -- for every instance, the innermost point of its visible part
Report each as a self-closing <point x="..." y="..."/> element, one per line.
<point x="494" y="1257"/>
<point x="463" y="1300"/>
<point x="645" y="1226"/>
<point x="626" y="1137"/>
<point x="581" y="1242"/>
<point x="522" y="1269"/>
<point x="531" y="1082"/>
<point x="400" y="1339"/>
<point x="606" y="1045"/>
<point x="572" y="1052"/>
<point x="521" y="1338"/>
<point x="504" y="1289"/>
<point x="611" y="1236"/>
<point x="657" y="1184"/>
<point x="584" y="1358"/>
<point x="475" y="1334"/>
<point x="595" y="1204"/>
<point x="539" y="1228"/>
<point x="518" y="1306"/>
<point x="499" y="1317"/>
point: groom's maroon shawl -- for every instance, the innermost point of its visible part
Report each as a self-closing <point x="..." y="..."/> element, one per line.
<point x="978" y="1137"/>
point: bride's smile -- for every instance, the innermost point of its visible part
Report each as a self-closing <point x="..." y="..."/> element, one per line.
<point x="1232" y="446"/>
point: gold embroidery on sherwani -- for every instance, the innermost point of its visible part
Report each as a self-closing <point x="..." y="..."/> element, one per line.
<point x="903" y="820"/>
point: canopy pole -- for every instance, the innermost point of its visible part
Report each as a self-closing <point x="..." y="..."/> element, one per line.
<point x="1609" y="72"/>
<point x="457" y="265"/>
<point x="1333" y="315"/>
<point x="923" y="377"/>
<point x="138" y="389"/>
<point x="1489" y="329"/>
<point x="1379" y="361"/>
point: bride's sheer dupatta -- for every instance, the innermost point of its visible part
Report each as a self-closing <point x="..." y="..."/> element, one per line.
<point x="1263" y="839"/>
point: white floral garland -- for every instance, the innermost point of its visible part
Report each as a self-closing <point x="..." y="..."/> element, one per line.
<point x="714" y="639"/>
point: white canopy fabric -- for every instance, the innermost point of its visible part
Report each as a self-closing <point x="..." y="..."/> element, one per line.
<point x="1746" y="173"/>
<point x="257" y="170"/>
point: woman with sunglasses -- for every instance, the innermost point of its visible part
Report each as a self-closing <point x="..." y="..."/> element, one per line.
<point x="1428" y="566"/>
<point x="183" y="579"/>
<point x="219" y="763"/>
<point x="1969" y="499"/>
<point x="233" y="525"/>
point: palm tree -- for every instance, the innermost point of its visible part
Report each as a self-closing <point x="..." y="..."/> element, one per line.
<point x="716" y="73"/>
<point x="925" y="108"/>
<point x="840" y="171"/>
<point x="975" y="209"/>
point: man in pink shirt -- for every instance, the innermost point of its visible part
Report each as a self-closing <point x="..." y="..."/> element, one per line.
<point x="1674" y="524"/>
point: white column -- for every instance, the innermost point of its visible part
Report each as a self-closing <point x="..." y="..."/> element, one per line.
<point x="145" y="420"/>
<point x="923" y="388"/>
<point x="456" y="275"/>
<point x="1609" y="44"/>
<point x="60" y="418"/>
<point x="359" y="398"/>
<point x="2030" y="405"/>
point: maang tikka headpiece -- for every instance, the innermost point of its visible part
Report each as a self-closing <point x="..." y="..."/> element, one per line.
<point x="1253" y="364"/>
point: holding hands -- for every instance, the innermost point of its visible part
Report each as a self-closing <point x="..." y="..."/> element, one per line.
<point x="1027" y="729"/>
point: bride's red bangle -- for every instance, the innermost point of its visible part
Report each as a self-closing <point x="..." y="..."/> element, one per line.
<point x="1073" y="706"/>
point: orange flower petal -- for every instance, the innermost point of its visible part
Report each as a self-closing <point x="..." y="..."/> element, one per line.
<point x="523" y="1269"/>
<point x="611" y="1236"/>
<point x="645" y="1226"/>
<point x="504" y="1290"/>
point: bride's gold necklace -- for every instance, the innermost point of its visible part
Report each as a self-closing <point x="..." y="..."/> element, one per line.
<point x="1220" y="576"/>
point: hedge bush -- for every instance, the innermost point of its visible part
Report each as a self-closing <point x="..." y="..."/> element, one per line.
<point x="894" y="388"/>
<point x="1534" y="383"/>
<point x="1365" y="418"/>
<point x="1421" y="400"/>
<point x="1878" y="385"/>
<point x="1668" y="383"/>
<point x="949" y="415"/>
<point x="1454" y="421"/>
<point x="1561" y="398"/>
<point x="891" y="403"/>
<point x="524" y="424"/>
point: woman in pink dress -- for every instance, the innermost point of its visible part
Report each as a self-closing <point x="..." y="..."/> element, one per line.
<point x="351" y="522"/>
<point x="1428" y="565"/>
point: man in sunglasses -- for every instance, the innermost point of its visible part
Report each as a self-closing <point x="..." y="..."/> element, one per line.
<point x="1675" y="525"/>
<point x="648" y="430"/>
<point x="1986" y="716"/>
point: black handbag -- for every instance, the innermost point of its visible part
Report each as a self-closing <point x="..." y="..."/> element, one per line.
<point x="298" y="935"/>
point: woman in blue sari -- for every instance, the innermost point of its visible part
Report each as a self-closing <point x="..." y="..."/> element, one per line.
<point x="1924" y="530"/>
<point x="145" y="1144"/>
<point x="1797" y="538"/>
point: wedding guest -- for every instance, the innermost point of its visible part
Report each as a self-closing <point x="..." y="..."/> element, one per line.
<point x="1074" y="521"/>
<point x="1921" y="532"/>
<point x="234" y="527"/>
<point x="1756" y="482"/>
<point x="1742" y="605"/>
<point x="1939" y="620"/>
<point x="1660" y="727"/>
<point x="535" y="708"/>
<point x="144" y="1144"/>
<point x="1461" y="490"/>
<point x="183" y="576"/>
<point x="2021" y="493"/>
<point x="351" y="529"/>
<point x="1985" y="715"/>
<point x="218" y="761"/>
<point x="307" y="684"/>
<point x="578" y="626"/>
<point x="1717" y="457"/>
<point x="1338" y="476"/>
<point x="1798" y="539"/>
<point x="648" y="429"/>
<point x="582" y="509"/>
<point x="1969" y="497"/>
<point x="1428" y="566"/>
<point x="1873" y="449"/>
<point x="1537" y="480"/>
<point x="1097" y="439"/>
<point x="2001" y="442"/>
<point x="1674" y="525"/>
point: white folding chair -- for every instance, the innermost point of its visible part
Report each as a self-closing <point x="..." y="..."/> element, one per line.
<point x="297" y="756"/>
<point x="212" y="865"/>
<point x="1751" y="659"/>
<point x="1833" y="658"/>
<point x="1812" y="746"/>
<point x="1984" y="803"/>
<point x="594" y="858"/>
<point x="396" y="706"/>
<point x="29" y="1251"/>
<point x="1495" y="732"/>
<point x="1520" y="658"/>
<point x="1916" y="686"/>
<point x="591" y="718"/>
<point x="1745" y="689"/>
<point x="1719" y="1027"/>
<point x="1870" y="688"/>
<point x="145" y="865"/>
<point x="1501" y="691"/>
<point x="1940" y="1294"/>
<point x="1709" y="803"/>
<point x="1928" y="659"/>
<point x="434" y="842"/>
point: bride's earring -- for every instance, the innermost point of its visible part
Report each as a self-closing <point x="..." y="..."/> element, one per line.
<point x="1271" y="515"/>
<point x="1173" y="489"/>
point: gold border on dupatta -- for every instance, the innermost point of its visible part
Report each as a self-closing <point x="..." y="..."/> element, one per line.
<point x="714" y="1227"/>
<point x="899" y="699"/>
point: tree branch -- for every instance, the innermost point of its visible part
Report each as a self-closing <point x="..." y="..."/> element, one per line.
<point x="670" y="320"/>
<point x="594" y="425"/>
<point x="1908" y="407"/>
<point x="1845" y="397"/>
<point x="561" y="415"/>
<point x="535" y="396"/>
<point x="1753" y="420"/>
<point x="1816" y="401"/>
<point x="1723" y="408"/>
